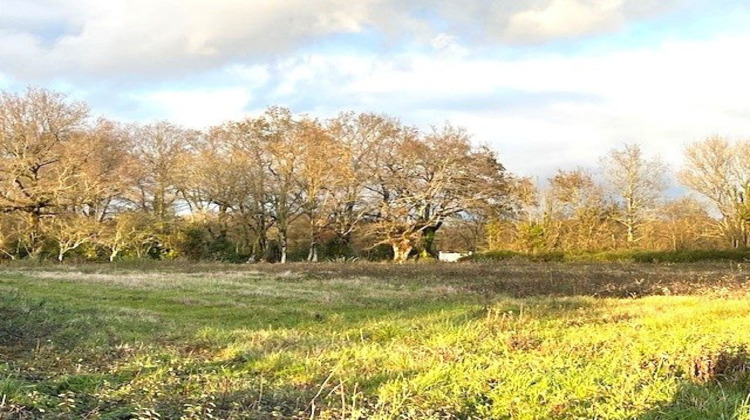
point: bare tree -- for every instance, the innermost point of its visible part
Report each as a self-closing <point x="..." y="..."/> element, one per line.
<point x="720" y="171"/>
<point x="425" y="180"/>
<point x="637" y="183"/>
<point x="37" y="168"/>
<point x="683" y="223"/>
<point x="362" y="140"/>
<point x="72" y="231"/>
<point x="579" y="208"/>
<point x="160" y="151"/>
<point x="248" y="146"/>
<point x="279" y="132"/>
<point x="105" y="170"/>
<point x="217" y="183"/>
<point x="317" y="178"/>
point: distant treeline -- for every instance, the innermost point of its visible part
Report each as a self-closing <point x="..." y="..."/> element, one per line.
<point x="281" y="186"/>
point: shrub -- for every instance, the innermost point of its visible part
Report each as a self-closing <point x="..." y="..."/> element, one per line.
<point x="681" y="256"/>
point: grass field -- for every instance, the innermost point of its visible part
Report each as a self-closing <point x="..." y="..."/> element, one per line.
<point x="506" y="340"/>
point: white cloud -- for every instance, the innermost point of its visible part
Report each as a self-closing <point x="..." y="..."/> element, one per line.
<point x="145" y="37"/>
<point x="448" y="44"/>
<point x="566" y="18"/>
<point x="253" y="76"/>
<point x="550" y="111"/>
<point x="158" y="39"/>
<point x="196" y="108"/>
<point x="541" y="110"/>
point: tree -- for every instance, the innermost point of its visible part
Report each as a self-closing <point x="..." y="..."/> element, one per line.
<point x="248" y="146"/>
<point x="218" y="184"/>
<point x="129" y="231"/>
<point x="317" y="178"/>
<point x="72" y="231"/>
<point x="13" y="234"/>
<point x="39" y="160"/>
<point x="362" y="141"/>
<point x="425" y="180"/>
<point x="459" y="180"/>
<point x="523" y="225"/>
<point x="577" y="204"/>
<point x="105" y="172"/>
<point x="279" y="134"/>
<point x="720" y="171"/>
<point x="683" y="224"/>
<point x="637" y="183"/>
<point x="160" y="152"/>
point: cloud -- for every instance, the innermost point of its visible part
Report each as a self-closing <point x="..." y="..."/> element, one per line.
<point x="476" y="63"/>
<point x="199" y="108"/>
<point x="167" y="39"/>
<point x="548" y="110"/>
<point x="565" y="18"/>
<point x="530" y="22"/>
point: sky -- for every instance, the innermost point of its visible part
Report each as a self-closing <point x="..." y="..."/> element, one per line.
<point x="548" y="84"/>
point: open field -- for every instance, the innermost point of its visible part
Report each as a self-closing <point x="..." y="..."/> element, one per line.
<point x="508" y="340"/>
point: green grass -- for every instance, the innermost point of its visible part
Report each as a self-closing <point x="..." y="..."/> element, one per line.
<point x="508" y="341"/>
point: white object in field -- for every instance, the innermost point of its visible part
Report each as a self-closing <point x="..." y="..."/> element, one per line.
<point x="452" y="256"/>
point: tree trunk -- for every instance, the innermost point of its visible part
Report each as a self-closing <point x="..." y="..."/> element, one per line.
<point x="348" y="242"/>
<point x="427" y="242"/>
<point x="312" y="255"/>
<point x="401" y="250"/>
<point x="284" y="242"/>
<point x="630" y="236"/>
<point x="259" y="250"/>
<point x="36" y="243"/>
<point x="260" y="244"/>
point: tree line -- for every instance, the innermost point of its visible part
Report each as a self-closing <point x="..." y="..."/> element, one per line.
<point x="238" y="191"/>
<point x="624" y="205"/>
<point x="278" y="186"/>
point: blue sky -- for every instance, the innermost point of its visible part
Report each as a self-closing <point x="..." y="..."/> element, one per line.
<point x="546" y="83"/>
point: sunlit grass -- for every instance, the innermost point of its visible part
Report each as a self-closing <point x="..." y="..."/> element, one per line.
<point x="373" y="342"/>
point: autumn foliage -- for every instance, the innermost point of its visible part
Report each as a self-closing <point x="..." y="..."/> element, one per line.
<point x="280" y="186"/>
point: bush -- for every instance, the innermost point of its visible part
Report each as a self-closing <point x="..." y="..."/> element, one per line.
<point x="336" y="248"/>
<point x="692" y="255"/>
<point x="380" y="252"/>
<point x="506" y="255"/>
<point x="681" y="256"/>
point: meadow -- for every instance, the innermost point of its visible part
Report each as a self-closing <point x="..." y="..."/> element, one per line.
<point x="506" y="340"/>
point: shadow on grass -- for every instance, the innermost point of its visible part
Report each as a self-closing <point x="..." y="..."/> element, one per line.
<point x="716" y="400"/>
<point x="717" y="386"/>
